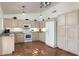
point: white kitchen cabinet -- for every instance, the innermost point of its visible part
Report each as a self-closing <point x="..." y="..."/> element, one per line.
<point x="51" y="33"/>
<point x="19" y="37"/>
<point x="62" y="42"/>
<point x="72" y="39"/>
<point x="35" y="24"/>
<point x="68" y="32"/>
<point x="10" y="23"/>
<point x="61" y="20"/>
<point x="72" y="18"/>
<point x="7" y="44"/>
<point x="42" y="24"/>
<point x="42" y="36"/>
<point x="35" y="36"/>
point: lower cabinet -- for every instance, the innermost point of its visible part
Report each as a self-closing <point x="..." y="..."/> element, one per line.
<point x="62" y="42"/>
<point x="7" y="44"/>
<point x="19" y="37"/>
<point x="35" y="36"/>
<point x="72" y="39"/>
<point x="73" y="46"/>
<point x="68" y="39"/>
<point x="42" y="36"/>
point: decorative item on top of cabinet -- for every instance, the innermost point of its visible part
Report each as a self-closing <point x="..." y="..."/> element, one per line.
<point x="35" y="20"/>
<point x="26" y="19"/>
<point x="14" y="17"/>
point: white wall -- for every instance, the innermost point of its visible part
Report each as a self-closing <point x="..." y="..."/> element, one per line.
<point x="1" y="20"/>
<point x="61" y="8"/>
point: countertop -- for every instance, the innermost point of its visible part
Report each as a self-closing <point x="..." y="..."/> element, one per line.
<point x="6" y="34"/>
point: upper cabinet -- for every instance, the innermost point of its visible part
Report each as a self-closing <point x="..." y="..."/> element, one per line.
<point x="10" y="23"/>
<point x="42" y="24"/>
<point x="72" y="18"/>
<point x="68" y="19"/>
<point x="35" y="24"/>
<point x="20" y="23"/>
<point x="68" y="33"/>
<point x="61" y="20"/>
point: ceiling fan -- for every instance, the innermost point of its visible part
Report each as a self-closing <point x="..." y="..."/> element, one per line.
<point x="45" y="4"/>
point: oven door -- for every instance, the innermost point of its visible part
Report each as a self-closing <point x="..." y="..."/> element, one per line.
<point x="27" y="37"/>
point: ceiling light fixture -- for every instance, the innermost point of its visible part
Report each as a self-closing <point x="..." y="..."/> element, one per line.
<point x="23" y="13"/>
<point x="41" y="16"/>
<point x="23" y="8"/>
<point x="40" y="12"/>
<point x="45" y="4"/>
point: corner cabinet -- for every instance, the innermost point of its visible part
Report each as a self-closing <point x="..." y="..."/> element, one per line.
<point x="68" y="32"/>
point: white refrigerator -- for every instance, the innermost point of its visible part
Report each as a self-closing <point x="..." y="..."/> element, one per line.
<point x="50" y="36"/>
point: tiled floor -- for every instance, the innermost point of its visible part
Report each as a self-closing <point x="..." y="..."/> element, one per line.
<point x="37" y="49"/>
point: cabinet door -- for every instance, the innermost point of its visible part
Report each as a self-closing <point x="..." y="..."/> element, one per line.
<point x="61" y="40"/>
<point x="11" y="23"/>
<point x="14" y="23"/>
<point x="20" y="23"/>
<point x="7" y="44"/>
<point x="72" y="18"/>
<point x="7" y="23"/>
<point x="42" y="24"/>
<point x="19" y="37"/>
<point x="42" y="36"/>
<point x="35" y="24"/>
<point x="61" y="20"/>
<point x="72" y="39"/>
<point x="35" y="36"/>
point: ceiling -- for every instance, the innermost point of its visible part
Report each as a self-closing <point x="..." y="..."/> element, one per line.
<point x="30" y="7"/>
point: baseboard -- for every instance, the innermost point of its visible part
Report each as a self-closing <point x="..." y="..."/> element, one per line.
<point x="67" y="51"/>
